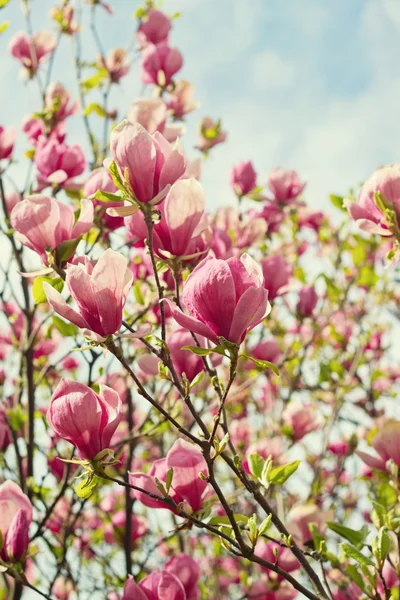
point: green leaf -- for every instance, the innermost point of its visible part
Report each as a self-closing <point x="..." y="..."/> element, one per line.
<point x="353" y="536"/>
<point x="256" y="464"/>
<point x="224" y="520"/>
<point x="358" y="556"/>
<point x="93" y="107"/>
<point x="4" y="26"/>
<point x="106" y="197"/>
<point x="4" y="3"/>
<point x="115" y="175"/>
<point x="67" y="249"/>
<point x="381" y="545"/>
<point x="38" y="292"/>
<point x="86" y="487"/>
<point x="332" y="289"/>
<point x="262" y="364"/>
<point x="279" y="475"/>
<point x="94" y="81"/>
<point x="355" y="576"/>
<point x="137" y="292"/>
<point x="367" y="277"/>
<point x="168" y="479"/>
<point x="337" y="202"/>
<point x="265" y="525"/>
<point x="197" y="350"/>
<point x="140" y="13"/>
<point x="386" y="495"/>
<point x="66" y="329"/>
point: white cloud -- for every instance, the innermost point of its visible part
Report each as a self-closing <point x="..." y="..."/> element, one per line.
<point x="269" y="70"/>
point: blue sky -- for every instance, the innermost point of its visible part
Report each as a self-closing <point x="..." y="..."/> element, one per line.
<point x="303" y="83"/>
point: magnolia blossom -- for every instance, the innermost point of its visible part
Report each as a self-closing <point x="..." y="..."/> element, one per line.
<point x="277" y="273"/>
<point x="180" y="101"/>
<point x="245" y="230"/>
<point x="57" y="163"/>
<point x="100" y="289"/>
<point x="58" y="101"/>
<point x="159" y="585"/>
<point x="115" y="63"/>
<point x="300" y="419"/>
<point x="31" y="51"/>
<point x="85" y="419"/>
<point x="271" y="552"/>
<point x="187" y="462"/>
<point x="154" y="28"/>
<point x="186" y="569"/>
<point x="151" y="113"/>
<point x="7" y="140"/>
<point x="35" y="129"/>
<point x="43" y="224"/>
<point x="15" y="519"/>
<point x="365" y="211"/>
<point x="152" y="164"/>
<point x="385" y="443"/>
<point x="308" y="299"/>
<point x="211" y="134"/>
<point x="285" y="184"/>
<point x="62" y="588"/>
<point x="64" y="16"/>
<point x="225" y="299"/>
<point x="301" y="517"/>
<point x="243" y="178"/>
<point x="183" y="230"/>
<point x="160" y="63"/>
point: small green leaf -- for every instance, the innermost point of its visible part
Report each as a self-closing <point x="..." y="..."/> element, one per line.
<point x="263" y="364"/>
<point x="4" y="26"/>
<point x="197" y="350"/>
<point x="94" y="81"/>
<point x="337" y="202"/>
<point x="265" y="525"/>
<point x="386" y="495"/>
<point x="3" y="3"/>
<point x="168" y="479"/>
<point x="38" y="292"/>
<point x="352" y="535"/>
<point x="106" y="197"/>
<point x="93" y="107"/>
<point x="115" y="175"/>
<point x="67" y="249"/>
<point x="224" y="520"/>
<point x="256" y="465"/>
<point x="355" y="576"/>
<point x="279" y="475"/>
<point x="66" y="329"/>
<point x="86" y="487"/>
<point x="381" y="545"/>
<point x="137" y="292"/>
<point x="358" y="556"/>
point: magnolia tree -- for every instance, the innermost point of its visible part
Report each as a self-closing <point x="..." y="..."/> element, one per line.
<point x="188" y="399"/>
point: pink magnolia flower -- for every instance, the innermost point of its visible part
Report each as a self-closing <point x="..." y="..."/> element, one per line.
<point x="183" y="230"/>
<point x="85" y="419"/>
<point x="184" y="361"/>
<point x="272" y="214"/>
<point x="100" y="179"/>
<point x="266" y="590"/>
<point x="152" y="164"/>
<point x="43" y="224"/>
<point x="162" y="585"/>
<point x="186" y="569"/>
<point x="62" y="588"/>
<point x="277" y="273"/>
<point x="58" y="101"/>
<point x="365" y="212"/>
<point x="116" y="531"/>
<point x="115" y="63"/>
<point x="285" y="185"/>
<point x="226" y="299"/>
<point x="151" y="113"/>
<point x="308" y="299"/>
<point x="243" y="178"/>
<point x="386" y="443"/>
<point x="300" y="419"/>
<point x="57" y="163"/>
<point x="100" y="291"/>
<point x="7" y="140"/>
<point x="35" y="129"/>
<point x="132" y="591"/>
<point x="187" y="462"/>
<point x="15" y="519"/>
<point x="31" y="51"/>
<point x="268" y="350"/>
<point x="160" y="63"/>
<point x="154" y="29"/>
<point x="211" y="134"/>
<point x="245" y="229"/>
<point x="180" y="101"/>
<point x="64" y="16"/>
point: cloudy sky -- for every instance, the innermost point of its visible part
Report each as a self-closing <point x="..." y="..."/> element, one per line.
<point x="303" y="83"/>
